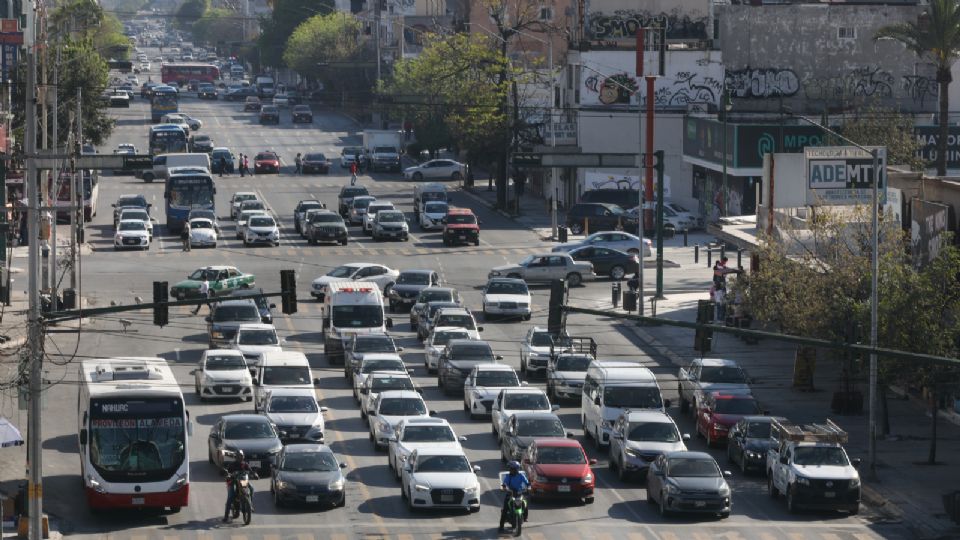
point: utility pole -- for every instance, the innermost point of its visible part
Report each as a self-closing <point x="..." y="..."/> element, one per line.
<point x="34" y="331"/>
<point x="78" y="183"/>
<point x="74" y="241"/>
<point x="56" y="188"/>
<point x="377" y="30"/>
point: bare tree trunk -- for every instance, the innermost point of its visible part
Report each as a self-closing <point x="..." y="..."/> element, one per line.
<point x="932" y="457"/>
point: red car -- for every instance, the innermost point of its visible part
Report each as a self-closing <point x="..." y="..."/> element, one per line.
<point x="559" y="469"/>
<point x="718" y="412"/>
<point x="460" y="226"/>
<point x="266" y="162"/>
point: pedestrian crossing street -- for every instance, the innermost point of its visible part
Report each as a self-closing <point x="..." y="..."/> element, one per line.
<point x="532" y="531"/>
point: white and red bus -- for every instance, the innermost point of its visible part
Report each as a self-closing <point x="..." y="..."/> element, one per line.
<point x="133" y="429"/>
<point x="64" y="191"/>
<point x="180" y="74"/>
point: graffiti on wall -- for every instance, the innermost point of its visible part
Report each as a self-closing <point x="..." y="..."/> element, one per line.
<point x="758" y="83"/>
<point x="623" y="24"/>
<point x="613" y="89"/>
<point x="688" y="88"/>
<point x="920" y="88"/>
<point x="868" y="81"/>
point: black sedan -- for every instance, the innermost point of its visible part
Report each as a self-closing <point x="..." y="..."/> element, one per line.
<point x="302" y="113"/>
<point x="606" y="261"/>
<point x="748" y="442"/>
<point x="308" y="474"/>
<point x="239" y="94"/>
<point x="315" y="162"/>
<point x="523" y="428"/>
<point x="269" y="114"/>
<point x="407" y="288"/>
<point x="252" y="433"/>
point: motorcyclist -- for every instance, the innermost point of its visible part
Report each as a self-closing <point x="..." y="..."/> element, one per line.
<point x="513" y="482"/>
<point x="240" y="464"/>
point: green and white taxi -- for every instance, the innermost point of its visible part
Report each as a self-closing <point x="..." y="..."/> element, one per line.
<point x="223" y="280"/>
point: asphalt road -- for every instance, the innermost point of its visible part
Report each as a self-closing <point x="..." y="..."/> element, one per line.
<point x="374" y="508"/>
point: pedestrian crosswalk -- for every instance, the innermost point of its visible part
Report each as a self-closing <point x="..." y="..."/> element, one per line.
<point x="356" y="249"/>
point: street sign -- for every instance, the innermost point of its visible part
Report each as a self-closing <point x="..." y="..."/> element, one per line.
<point x="843" y="175"/>
<point x="567" y="159"/>
<point x="137" y="163"/>
<point x="110" y="162"/>
<point x="526" y="160"/>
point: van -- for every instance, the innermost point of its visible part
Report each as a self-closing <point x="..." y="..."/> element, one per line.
<point x="611" y="388"/>
<point x="164" y="162"/>
<point x="280" y="369"/>
<point x="433" y="191"/>
<point x="350" y="308"/>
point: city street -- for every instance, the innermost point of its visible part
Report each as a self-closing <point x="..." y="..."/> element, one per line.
<point x="374" y="508"/>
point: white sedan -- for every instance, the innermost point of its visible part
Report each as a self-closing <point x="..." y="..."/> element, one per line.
<point x="223" y="374"/>
<point x="517" y="400"/>
<point x="440" y="478"/>
<point x="507" y="297"/>
<point x="435" y="168"/>
<point x="618" y="240"/>
<point x="245" y="216"/>
<point x="140" y="214"/>
<point x="375" y="362"/>
<point x="367" y="272"/>
<point x="371" y="214"/>
<point x="437" y="342"/>
<point x="261" y="230"/>
<point x="419" y="432"/>
<point x="378" y="382"/>
<point x="202" y="233"/>
<point x="132" y="234"/>
<point x="433" y="214"/>
<point x="389" y="409"/>
<point x="484" y="384"/>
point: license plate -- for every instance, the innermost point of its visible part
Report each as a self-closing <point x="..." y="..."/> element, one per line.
<point x="138" y="500"/>
<point x="446" y="498"/>
<point x="254" y="464"/>
<point x="227" y="389"/>
<point x="313" y="498"/>
<point x="700" y="504"/>
<point x="563" y="489"/>
<point x="462" y="237"/>
<point x="829" y="494"/>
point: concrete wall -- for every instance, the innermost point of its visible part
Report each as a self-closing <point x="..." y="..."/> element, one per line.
<point x="794" y="52"/>
<point x="615" y="20"/>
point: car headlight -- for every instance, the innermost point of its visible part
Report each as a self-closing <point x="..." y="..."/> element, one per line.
<point x="95" y="485"/>
<point x="386" y="428"/>
<point x="803" y="481"/>
<point x="539" y="478"/>
<point x="216" y="334"/>
<point x="283" y="484"/>
<point x="492" y="304"/>
<point x="631" y="452"/>
<point x="477" y="395"/>
<point x="494" y="272"/>
<point x="208" y="380"/>
<point x="855" y="482"/>
<point x="421" y="488"/>
<point x="523" y="305"/>
<point x="724" y="491"/>
<point x="336" y="485"/>
<point x="117" y="238"/>
<point x="473" y="490"/>
<point x="586" y="479"/>
<point x="607" y="424"/>
<point x="672" y="489"/>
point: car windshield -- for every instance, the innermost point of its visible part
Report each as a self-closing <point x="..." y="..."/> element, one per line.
<point x="200" y="224"/>
<point x="573" y="363"/>
<point x="314" y="157"/>
<point x="561" y="455"/>
<point x="225" y="363"/>
<point x="384" y="150"/>
<point x="451" y="464"/>
<point x="376" y="208"/>
<point x="374" y="344"/>
<point x="293" y="404"/>
<point x="428" y="434"/>
<point x="204" y="273"/>
<point x="240" y="197"/>
<point x="132" y="201"/>
<point x="526" y="402"/>
<point x="758" y="430"/>
<point x="133" y="226"/>
<point x="434" y="295"/>
<point x="413" y="278"/>
<point x="310" y="206"/>
<point x="539" y="427"/>
<point x="497" y="378"/>
<point x="722" y="374"/>
<point x="653" y="432"/>
<point x="353" y="192"/>
<point x="737" y="406"/>
<point x="325" y="217"/>
<point x="309" y="462"/>
<point x="390" y="217"/>
<point x="369" y="366"/>
<point x="507" y="287"/>
<point x="248" y="430"/>
<point x="266" y="157"/>
<point x="472" y="351"/>
<point x="258" y="337"/>
<point x="342" y="271"/>
<point x="361" y="203"/>
<point x="458" y="320"/>
<point x="436" y="208"/>
<point x="442" y="338"/>
<point x="201" y="138"/>
<point x="286" y="375"/>
<point x="137" y="215"/>
<point x="632" y="397"/>
<point x="380" y="384"/>
<point x="351" y="151"/>
<point x="251" y="205"/>
<point x="460" y="219"/>
<point x="692" y="468"/>
<point x="204" y="214"/>
<point x="541" y="339"/>
<point x="402" y="407"/>
<point x="820" y="455"/>
<point x="262" y="222"/>
<point x="357" y="316"/>
<point x="246" y="312"/>
<point x="434" y="306"/>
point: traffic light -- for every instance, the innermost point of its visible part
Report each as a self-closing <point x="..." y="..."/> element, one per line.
<point x="558" y="296"/>
<point x="161" y="314"/>
<point x="288" y="290"/>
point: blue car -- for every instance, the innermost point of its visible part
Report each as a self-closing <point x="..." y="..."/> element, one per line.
<point x="219" y="154"/>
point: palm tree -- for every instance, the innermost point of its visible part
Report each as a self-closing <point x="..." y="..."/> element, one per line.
<point x="936" y="34"/>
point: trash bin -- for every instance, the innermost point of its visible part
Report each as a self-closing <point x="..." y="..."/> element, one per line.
<point x="562" y="234"/>
<point x="629" y="300"/>
<point x="615" y="290"/>
<point x="69" y="299"/>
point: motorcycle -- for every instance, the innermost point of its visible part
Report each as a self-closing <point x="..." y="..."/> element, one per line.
<point x="243" y="498"/>
<point x="514" y="514"/>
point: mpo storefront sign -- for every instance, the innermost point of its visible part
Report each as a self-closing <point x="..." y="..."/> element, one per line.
<point x="841" y="175"/>
<point x="746" y="143"/>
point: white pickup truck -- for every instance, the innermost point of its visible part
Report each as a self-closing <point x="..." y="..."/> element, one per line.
<point x="808" y="465"/>
<point x="705" y="375"/>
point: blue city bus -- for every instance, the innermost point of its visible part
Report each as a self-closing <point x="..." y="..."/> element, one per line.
<point x="187" y="188"/>
<point x="165" y="100"/>
<point x="167" y="139"/>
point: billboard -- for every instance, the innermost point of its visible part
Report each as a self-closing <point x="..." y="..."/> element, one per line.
<point x="843" y="175"/>
<point x="928" y="222"/>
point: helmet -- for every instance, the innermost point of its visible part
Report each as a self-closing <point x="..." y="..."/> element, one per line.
<point x="514" y="466"/>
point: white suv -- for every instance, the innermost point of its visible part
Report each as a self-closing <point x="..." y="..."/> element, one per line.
<point x="484" y="384"/>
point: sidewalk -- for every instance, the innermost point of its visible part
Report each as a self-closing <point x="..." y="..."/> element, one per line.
<point x="533" y="213"/>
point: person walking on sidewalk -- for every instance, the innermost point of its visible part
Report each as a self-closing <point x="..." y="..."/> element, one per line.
<point x="204" y="293"/>
<point x="185" y="235"/>
<point x="240" y="162"/>
<point x="353" y="173"/>
<point x="298" y="161"/>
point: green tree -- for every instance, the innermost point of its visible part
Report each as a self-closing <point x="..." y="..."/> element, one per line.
<point x="877" y="126"/>
<point x="83" y="68"/>
<point x="324" y="39"/>
<point x="217" y="25"/>
<point x="276" y="29"/>
<point x="934" y="36"/>
<point x="190" y="12"/>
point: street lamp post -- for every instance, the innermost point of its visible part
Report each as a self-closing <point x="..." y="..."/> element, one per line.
<point x="727" y="105"/>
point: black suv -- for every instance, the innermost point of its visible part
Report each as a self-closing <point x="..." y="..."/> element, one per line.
<point x="257" y="295"/>
<point x="457" y="360"/>
<point x="624" y="198"/>
<point x="325" y="226"/>
<point x="300" y="211"/>
<point x="269" y="113"/>
<point x="345" y="199"/>
<point x="595" y="217"/>
<point x="225" y="317"/>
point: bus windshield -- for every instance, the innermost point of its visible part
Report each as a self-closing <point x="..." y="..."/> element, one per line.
<point x="164" y="141"/>
<point x="137" y="439"/>
<point x="190" y="191"/>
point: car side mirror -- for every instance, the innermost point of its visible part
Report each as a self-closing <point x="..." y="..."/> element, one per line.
<point x="666" y="404"/>
<point x="208" y="319"/>
<point x="596" y="400"/>
<point x="784" y="460"/>
<point x="316" y="382"/>
<point x="372" y="413"/>
<point x="462" y="439"/>
<point x="569" y="434"/>
<point x="476" y="468"/>
<point x="554" y="407"/>
<point x="283" y="434"/>
<point x="593" y="461"/>
<point x="273" y="306"/>
<point x="499" y="357"/>
<point x="479" y="329"/>
<point x="524" y="383"/>
<point x="728" y="474"/>
<point x="215" y="436"/>
<point x="855" y="462"/>
<point x="389" y="322"/>
<point x="324" y="409"/>
<point x="685" y="436"/>
<point x="432" y="413"/>
<point x="399" y="349"/>
<point x="83" y="437"/>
